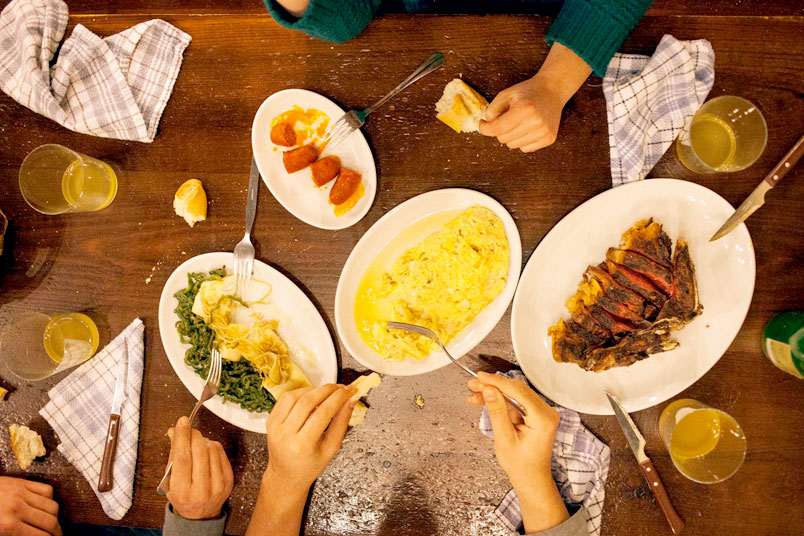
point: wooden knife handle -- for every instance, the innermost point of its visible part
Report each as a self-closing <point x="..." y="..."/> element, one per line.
<point x="789" y="160"/>
<point x="105" y="480"/>
<point x="656" y="486"/>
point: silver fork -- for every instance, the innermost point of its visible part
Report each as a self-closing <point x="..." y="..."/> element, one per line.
<point x="432" y="335"/>
<point x="244" y="250"/>
<point x="354" y="119"/>
<point x="210" y="388"/>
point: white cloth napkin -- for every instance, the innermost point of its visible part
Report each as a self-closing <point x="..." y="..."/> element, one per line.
<point x="115" y="87"/>
<point x="79" y="413"/>
<point x="580" y="466"/>
<point x="650" y="100"/>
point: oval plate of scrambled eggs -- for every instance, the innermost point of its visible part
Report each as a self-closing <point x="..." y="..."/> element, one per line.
<point x="447" y="259"/>
<point x="298" y="323"/>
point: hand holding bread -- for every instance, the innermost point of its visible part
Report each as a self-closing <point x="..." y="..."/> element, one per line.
<point x="525" y="116"/>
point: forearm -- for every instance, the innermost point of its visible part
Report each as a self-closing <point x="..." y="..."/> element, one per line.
<point x="279" y="508"/>
<point x="564" y="71"/>
<point x="541" y="503"/>
<point x="294" y="7"/>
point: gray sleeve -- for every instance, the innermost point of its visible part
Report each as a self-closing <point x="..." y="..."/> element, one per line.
<point x="175" y="525"/>
<point x="574" y="526"/>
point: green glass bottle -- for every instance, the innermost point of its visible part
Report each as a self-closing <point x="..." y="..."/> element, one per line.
<point x="783" y="342"/>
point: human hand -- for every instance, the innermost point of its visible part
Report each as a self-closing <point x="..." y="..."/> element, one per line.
<point x="524" y="446"/>
<point x="27" y="508"/>
<point x="305" y="430"/>
<point x="525" y="116"/>
<point x="201" y="479"/>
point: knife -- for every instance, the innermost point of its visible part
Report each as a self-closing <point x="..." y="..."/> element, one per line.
<point x="637" y="444"/>
<point x="120" y="394"/>
<point x="757" y="197"/>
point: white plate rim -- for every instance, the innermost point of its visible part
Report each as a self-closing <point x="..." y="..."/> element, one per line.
<point x="167" y="325"/>
<point x="436" y="360"/>
<point x="369" y="175"/>
<point x="603" y="408"/>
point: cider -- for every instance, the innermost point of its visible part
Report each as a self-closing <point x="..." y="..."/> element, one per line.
<point x="706" y="445"/>
<point x="70" y="339"/>
<point x="726" y="134"/>
<point x="54" y="179"/>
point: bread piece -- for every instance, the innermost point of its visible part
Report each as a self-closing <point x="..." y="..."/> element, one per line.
<point x="358" y="414"/>
<point x="363" y="384"/>
<point x="3" y="392"/>
<point x="460" y="107"/>
<point x="27" y="445"/>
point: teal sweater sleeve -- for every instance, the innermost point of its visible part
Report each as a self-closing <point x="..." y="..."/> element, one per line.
<point x="595" y="29"/>
<point x="336" y="21"/>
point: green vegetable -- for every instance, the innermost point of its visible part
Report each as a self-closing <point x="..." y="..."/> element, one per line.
<point x="240" y="381"/>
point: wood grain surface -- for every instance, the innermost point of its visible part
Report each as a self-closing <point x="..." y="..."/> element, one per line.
<point x="406" y="471"/>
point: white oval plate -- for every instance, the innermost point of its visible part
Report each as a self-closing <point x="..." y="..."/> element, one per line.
<point x="296" y="191"/>
<point x="300" y="326"/>
<point x="725" y="271"/>
<point x="383" y="232"/>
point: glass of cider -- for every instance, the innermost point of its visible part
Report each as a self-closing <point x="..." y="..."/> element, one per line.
<point x="35" y="346"/>
<point x="726" y="134"/>
<point x="706" y="445"/>
<point x="55" y="180"/>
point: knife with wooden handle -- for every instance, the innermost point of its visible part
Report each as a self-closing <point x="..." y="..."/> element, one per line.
<point x="757" y="197"/>
<point x="637" y="443"/>
<point x="106" y="479"/>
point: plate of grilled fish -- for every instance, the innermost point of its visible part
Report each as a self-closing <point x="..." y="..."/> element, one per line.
<point x="626" y="294"/>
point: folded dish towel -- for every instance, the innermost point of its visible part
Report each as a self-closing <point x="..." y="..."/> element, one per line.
<point x="649" y="100"/>
<point x="580" y="466"/>
<point x="79" y="413"/>
<point x="115" y="87"/>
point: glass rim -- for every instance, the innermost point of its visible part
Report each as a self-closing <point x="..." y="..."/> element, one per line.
<point x="76" y="157"/>
<point x="8" y="328"/>
<point x="709" y="168"/>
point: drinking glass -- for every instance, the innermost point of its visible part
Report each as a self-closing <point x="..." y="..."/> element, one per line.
<point x="35" y="346"/>
<point x="726" y="134"/>
<point x="706" y="445"/>
<point x="55" y="180"/>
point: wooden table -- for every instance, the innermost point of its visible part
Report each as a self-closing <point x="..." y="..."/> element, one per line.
<point x="406" y="471"/>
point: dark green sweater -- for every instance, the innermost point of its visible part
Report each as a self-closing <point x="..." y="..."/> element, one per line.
<point x="593" y="29"/>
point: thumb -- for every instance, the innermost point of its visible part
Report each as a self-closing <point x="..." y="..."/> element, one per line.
<point x="498" y="414"/>
<point x="500" y="104"/>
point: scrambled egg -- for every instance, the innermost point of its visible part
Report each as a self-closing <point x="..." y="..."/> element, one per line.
<point x="259" y="343"/>
<point x="442" y="284"/>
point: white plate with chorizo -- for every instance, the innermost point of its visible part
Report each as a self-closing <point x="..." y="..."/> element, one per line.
<point x="286" y="135"/>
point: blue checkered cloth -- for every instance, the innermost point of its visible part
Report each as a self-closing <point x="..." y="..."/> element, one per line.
<point x="79" y="408"/>
<point x="580" y="465"/>
<point x="649" y="100"/>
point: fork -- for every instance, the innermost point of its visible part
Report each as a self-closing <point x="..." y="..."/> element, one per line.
<point x="244" y="250"/>
<point x="354" y="119"/>
<point x="210" y="388"/>
<point x="430" y="334"/>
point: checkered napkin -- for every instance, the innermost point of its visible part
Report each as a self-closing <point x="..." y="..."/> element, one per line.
<point x="115" y="87"/>
<point x="650" y="100"/>
<point x="580" y="465"/>
<point x="79" y="413"/>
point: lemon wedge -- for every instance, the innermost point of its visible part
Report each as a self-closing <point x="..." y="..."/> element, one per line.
<point x="190" y="202"/>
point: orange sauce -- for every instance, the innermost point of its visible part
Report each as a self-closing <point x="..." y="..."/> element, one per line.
<point x="309" y="124"/>
<point x="350" y="203"/>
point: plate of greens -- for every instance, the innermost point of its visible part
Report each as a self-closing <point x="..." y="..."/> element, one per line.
<point x="273" y="340"/>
